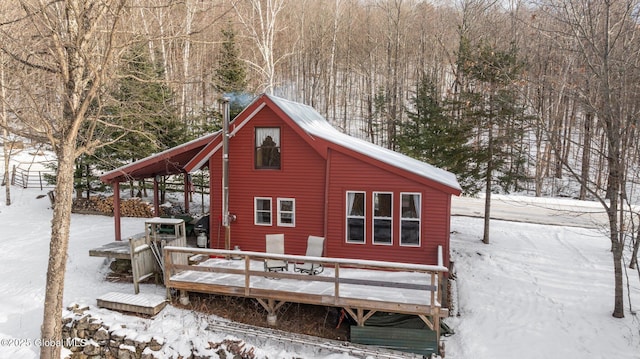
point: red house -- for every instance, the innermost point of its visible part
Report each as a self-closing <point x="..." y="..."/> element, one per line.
<point x="291" y="172"/>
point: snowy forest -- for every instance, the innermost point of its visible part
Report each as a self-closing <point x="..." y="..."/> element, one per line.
<point x="535" y="96"/>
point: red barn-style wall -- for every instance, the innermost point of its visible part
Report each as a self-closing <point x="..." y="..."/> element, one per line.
<point x="317" y="173"/>
<point x="350" y="174"/>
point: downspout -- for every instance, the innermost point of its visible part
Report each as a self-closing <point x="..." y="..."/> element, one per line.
<point x="156" y="200"/>
<point x="225" y="173"/>
<point x="327" y="173"/>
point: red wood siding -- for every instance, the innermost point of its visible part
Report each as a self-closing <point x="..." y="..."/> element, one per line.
<point x="301" y="177"/>
<point x="348" y="173"/>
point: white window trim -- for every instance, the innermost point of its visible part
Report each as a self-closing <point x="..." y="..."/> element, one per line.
<point x="419" y="219"/>
<point x="255" y="211"/>
<point x="293" y="213"/>
<point x="373" y="222"/>
<point x="363" y="217"/>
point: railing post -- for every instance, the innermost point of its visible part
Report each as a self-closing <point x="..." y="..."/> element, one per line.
<point x="440" y="287"/>
<point x="168" y="264"/>
<point x="433" y="285"/>
<point x="247" y="275"/>
<point x="336" y="289"/>
<point x="40" y="179"/>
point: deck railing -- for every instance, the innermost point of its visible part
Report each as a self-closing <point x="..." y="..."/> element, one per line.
<point x="431" y="288"/>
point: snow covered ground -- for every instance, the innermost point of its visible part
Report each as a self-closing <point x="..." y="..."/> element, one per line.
<point x="537" y="291"/>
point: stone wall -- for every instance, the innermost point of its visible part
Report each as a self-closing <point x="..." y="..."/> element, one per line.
<point x="88" y="337"/>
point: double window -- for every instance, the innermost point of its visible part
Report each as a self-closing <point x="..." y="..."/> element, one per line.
<point x="382" y="218"/>
<point x="267" y="148"/>
<point x="286" y="211"/>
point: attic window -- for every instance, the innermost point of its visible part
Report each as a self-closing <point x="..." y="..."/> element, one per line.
<point x="267" y="152"/>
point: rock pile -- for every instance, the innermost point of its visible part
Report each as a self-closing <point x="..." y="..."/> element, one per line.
<point x="88" y="337"/>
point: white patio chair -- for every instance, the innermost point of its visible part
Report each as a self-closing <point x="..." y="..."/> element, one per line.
<point x="315" y="248"/>
<point x="275" y="245"/>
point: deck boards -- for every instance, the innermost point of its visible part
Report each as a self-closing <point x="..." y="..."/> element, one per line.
<point x="116" y="249"/>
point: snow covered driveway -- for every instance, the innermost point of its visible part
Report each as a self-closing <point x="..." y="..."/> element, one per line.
<point x="541" y="210"/>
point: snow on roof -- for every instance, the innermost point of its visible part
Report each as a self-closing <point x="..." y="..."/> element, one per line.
<point x="200" y="140"/>
<point x="315" y="125"/>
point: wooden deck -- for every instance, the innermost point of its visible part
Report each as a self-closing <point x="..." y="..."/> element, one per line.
<point x="115" y="249"/>
<point x="360" y="287"/>
<point x="148" y="304"/>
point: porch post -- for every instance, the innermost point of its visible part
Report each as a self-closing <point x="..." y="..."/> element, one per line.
<point x="212" y="219"/>
<point x="116" y="210"/>
<point x="187" y="191"/>
<point x="156" y="205"/>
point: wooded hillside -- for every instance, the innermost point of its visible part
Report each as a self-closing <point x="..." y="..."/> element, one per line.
<point x="361" y="63"/>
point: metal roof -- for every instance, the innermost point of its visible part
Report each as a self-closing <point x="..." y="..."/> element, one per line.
<point x="317" y="126"/>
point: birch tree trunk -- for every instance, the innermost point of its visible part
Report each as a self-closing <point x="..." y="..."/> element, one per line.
<point x="259" y="19"/>
<point x="6" y="148"/>
<point x="72" y="40"/>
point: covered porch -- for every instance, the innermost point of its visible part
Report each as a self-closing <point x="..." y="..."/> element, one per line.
<point x="181" y="160"/>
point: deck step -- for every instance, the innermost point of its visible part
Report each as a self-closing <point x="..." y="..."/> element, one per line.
<point x="149" y="304"/>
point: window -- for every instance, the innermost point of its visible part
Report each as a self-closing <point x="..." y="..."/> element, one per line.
<point x="286" y="212"/>
<point x="267" y="153"/>
<point x="262" y="209"/>
<point x="410" y="219"/>
<point x="355" y="217"/>
<point x="382" y="212"/>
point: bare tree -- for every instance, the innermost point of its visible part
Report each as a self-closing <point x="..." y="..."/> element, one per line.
<point x="605" y="38"/>
<point x="7" y="146"/>
<point x="259" y="18"/>
<point x="69" y="53"/>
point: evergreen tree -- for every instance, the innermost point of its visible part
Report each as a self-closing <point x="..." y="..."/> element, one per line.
<point x="144" y="108"/>
<point x="432" y="135"/>
<point x="142" y="111"/>
<point x="230" y="77"/>
<point x="492" y="107"/>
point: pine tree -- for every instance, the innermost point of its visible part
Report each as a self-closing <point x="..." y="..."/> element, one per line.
<point x="491" y="106"/>
<point x="142" y="111"/>
<point x="145" y="111"/>
<point x="433" y="136"/>
<point x="230" y="77"/>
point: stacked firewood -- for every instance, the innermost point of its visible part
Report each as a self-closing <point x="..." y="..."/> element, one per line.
<point x="133" y="207"/>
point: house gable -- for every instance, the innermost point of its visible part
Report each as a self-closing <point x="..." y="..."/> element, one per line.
<point x="300" y="180"/>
